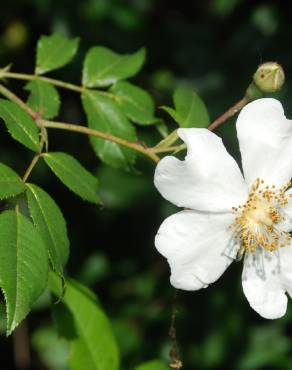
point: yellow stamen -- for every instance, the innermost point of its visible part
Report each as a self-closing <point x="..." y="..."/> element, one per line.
<point x="256" y="222"/>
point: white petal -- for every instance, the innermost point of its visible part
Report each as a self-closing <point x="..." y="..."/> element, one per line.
<point x="286" y="267"/>
<point x="198" y="247"/>
<point x="207" y="180"/>
<point x="262" y="285"/>
<point x="265" y="140"/>
<point x="286" y="211"/>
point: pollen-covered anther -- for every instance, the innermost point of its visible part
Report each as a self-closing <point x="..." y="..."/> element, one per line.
<point x="256" y="222"/>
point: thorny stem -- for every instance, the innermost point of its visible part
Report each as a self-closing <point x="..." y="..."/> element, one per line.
<point x="176" y="362"/>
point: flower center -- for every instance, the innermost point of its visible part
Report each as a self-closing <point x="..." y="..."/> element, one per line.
<point x="256" y="222"/>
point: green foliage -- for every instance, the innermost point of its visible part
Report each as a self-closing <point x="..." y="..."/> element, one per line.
<point x="10" y="183"/>
<point x="103" y="67"/>
<point x="135" y="102"/>
<point x="190" y="110"/>
<point x="52" y="350"/>
<point x="94" y="346"/>
<point x="19" y="124"/>
<point x="73" y="175"/>
<point x="50" y="223"/>
<point x="152" y="365"/>
<point x="23" y="266"/>
<point x="104" y="115"/>
<point x="54" y="52"/>
<point x="43" y="98"/>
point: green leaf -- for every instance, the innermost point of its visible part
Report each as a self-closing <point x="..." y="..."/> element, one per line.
<point x="20" y="124"/>
<point x="50" y="223"/>
<point x="135" y="102"/>
<point x="152" y="365"/>
<point x="190" y="110"/>
<point x="104" y="115"/>
<point x="10" y="183"/>
<point x="95" y="347"/>
<point x="54" y="52"/>
<point x="43" y="98"/>
<point x="23" y="266"/>
<point x="73" y="175"/>
<point x="103" y="67"/>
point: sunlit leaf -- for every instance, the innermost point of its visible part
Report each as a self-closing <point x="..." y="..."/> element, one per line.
<point x="20" y="124"/>
<point x="50" y="223"/>
<point x="43" y="98"/>
<point x="135" y="102"/>
<point x="94" y="347"/>
<point x="104" y="115"/>
<point x="190" y="110"/>
<point x="103" y="67"/>
<point x="152" y="365"/>
<point x="23" y="266"/>
<point x="54" y="52"/>
<point x="73" y="175"/>
<point x="10" y="183"/>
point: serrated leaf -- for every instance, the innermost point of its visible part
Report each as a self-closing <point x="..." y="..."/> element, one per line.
<point x="190" y="110"/>
<point x="23" y="266"/>
<point x="73" y="175"/>
<point x="20" y="124"/>
<point x="43" y="98"/>
<point x="152" y="365"/>
<point x="103" y="67"/>
<point x="104" y="115"/>
<point x="54" y="52"/>
<point x="50" y="223"/>
<point x="10" y="183"/>
<point x="135" y="102"/>
<point x="95" y="347"/>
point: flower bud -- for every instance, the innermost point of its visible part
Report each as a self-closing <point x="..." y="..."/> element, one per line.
<point x="269" y="77"/>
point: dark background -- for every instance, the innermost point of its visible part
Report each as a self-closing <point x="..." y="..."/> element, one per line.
<point x="213" y="46"/>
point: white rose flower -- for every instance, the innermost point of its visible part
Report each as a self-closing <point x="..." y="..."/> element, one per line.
<point x="229" y="216"/>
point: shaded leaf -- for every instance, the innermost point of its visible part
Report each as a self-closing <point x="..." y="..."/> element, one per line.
<point x="23" y="266"/>
<point x="20" y="124"/>
<point x="50" y="223"/>
<point x="73" y="175"/>
<point x="54" y="52"/>
<point x="94" y="347"/>
<point x="43" y="98"/>
<point x="104" y="115"/>
<point x="10" y="183"/>
<point x="190" y="110"/>
<point x="103" y="67"/>
<point x="135" y="102"/>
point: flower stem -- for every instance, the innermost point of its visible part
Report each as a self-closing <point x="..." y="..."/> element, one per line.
<point x="11" y="96"/>
<point x="53" y="81"/>
<point x="149" y="152"/>
<point x="229" y="113"/>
